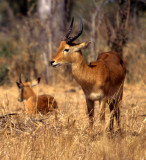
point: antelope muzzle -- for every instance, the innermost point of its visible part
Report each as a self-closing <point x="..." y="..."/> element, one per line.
<point x="53" y="63"/>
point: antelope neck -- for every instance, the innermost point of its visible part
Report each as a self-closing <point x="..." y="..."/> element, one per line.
<point x="79" y="61"/>
<point x="81" y="71"/>
<point x="31" y="93"/>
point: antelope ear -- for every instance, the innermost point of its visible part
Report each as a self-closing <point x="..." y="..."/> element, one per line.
<point x="39" y="78"/>
<point x="18" y="84"/>
<point x="81" y="46"/>
<point x="35" y="82"/>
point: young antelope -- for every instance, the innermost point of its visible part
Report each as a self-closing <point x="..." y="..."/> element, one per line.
<point x="35" y="103"/>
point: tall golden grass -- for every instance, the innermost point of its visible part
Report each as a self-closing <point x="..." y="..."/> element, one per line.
<point x="23" y="137"/>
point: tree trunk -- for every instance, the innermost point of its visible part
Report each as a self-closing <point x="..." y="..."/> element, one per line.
<point x="52" y="16"/>
<point x="95" y="23"/>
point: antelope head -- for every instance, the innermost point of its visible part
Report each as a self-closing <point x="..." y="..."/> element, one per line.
<point x="25" y="88"/>
<point x="68" y="51"/>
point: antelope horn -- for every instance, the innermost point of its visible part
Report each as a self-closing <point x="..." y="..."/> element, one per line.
<point x="20" y="80"/>
<point x="69" y="30"/>
<point x="71" y="39"/>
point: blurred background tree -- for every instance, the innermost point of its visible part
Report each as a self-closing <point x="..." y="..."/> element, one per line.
<point x="31" y="30"/>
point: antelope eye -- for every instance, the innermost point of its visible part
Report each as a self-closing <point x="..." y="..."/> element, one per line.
<point x="66" y="50"/>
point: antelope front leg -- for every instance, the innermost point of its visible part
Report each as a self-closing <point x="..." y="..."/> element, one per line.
<point x="90" y="107"/>
<point x="102" y="104"/>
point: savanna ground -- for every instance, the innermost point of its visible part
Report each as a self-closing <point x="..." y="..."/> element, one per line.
<point x="25" y="137"/>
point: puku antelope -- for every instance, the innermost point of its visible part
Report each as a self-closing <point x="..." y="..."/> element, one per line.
<point x="101" y="80"/>
<point x="34" y="104"/>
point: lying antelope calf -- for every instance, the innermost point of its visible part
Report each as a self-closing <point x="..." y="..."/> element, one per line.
<point x="35" y="103"/>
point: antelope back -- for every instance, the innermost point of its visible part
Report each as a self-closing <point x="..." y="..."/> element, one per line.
<point x="116" y="66"/>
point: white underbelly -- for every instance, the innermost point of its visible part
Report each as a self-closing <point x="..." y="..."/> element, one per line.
<point x="96" y="95"/>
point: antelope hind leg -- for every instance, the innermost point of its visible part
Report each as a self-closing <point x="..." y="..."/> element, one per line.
<point x="90" y="108"/>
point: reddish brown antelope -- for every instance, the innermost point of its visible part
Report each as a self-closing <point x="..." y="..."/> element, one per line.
<point x="101" y="80"/>
<point x="34" y="104"/>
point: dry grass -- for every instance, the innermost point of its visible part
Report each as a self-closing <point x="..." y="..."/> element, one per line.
<point x="24" y="137"/>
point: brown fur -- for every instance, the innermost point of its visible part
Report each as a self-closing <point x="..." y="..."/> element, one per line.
<point x="101" y="80"/>
<point x="36" y="104"/>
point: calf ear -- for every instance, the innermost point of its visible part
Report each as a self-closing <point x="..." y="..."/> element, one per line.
<point x="81" y="46"/>
<point x="35" y="82"/>
<point x="18" y="84"/>
<point x="39" y="78"/>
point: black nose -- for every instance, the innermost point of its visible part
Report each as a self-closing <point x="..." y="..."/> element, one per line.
<point x="51" y="62"/>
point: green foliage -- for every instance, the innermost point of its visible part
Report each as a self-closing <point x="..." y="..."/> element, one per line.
<point x="3" y="74"/>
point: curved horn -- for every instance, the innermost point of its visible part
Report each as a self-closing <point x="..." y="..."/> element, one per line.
<point x="20" y="80"/>
<point x="69" y="30"/>
<point x="71" y="39"/>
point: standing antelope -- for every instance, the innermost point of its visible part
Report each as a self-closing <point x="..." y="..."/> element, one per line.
<point x="34" y="104"/>
<point x="101" y="80"/>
